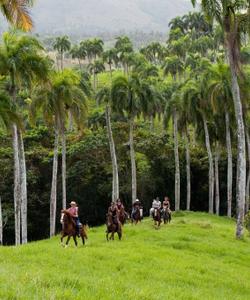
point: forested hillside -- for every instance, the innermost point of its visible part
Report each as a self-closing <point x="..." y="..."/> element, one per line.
<point x="94" y="123"/>
<point x="95" y="16"/>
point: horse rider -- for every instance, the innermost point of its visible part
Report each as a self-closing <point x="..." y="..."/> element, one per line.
<point x="156" y="204"/>
<point x="73" y="210"/>
<point x="119" y="205"/>
<point x="166" y="205"/>
<point x="113" y="210"/>
<point x="136" y="206"/>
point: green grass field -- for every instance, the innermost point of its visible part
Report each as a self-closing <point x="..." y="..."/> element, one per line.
<point x="196" y="257"/>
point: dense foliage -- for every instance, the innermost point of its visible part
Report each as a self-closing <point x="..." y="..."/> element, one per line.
<point x="160" y="119"/>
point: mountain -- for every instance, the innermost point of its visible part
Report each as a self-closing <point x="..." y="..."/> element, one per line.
<point x="95" y="16"/>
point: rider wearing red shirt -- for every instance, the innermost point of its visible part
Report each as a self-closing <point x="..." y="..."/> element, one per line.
<point x="73" y="210"/>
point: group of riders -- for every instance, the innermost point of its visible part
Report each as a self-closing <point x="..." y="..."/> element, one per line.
<point x="117" y="214"/>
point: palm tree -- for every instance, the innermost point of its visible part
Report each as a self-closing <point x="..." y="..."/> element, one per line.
<point x="95" y="68"/>
<point x="7" y="117"/>
<point x="174" y="66"/>
<point x="232" y="16"/>
<point x="61" y="96"/>
<point x="195" y="91"/>
<point x="110" y="57"/>
<point x="104" y="95"/>
<point x="62" y="44"/>
<point x="221" y="99"/>
<point x="172" y="96"/>
<point x="124" y="49"/>
<point x="17" y="13"/>
<point x="79" y="53"/>
<point x="131" y="95"/>
<point x="22" y="62"/>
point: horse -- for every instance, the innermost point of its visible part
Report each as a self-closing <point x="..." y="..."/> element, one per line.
<point x="113" y="227"/>
<point x="166" y="214"/>
<point x="136" y="216"/>
<point x="123" y="216"/>
<point x="157" y="217"/>
<point x="69" y="228"/>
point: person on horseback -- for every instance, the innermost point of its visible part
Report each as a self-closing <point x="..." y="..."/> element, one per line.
<point x="73" y="210"/>
<point x="113" y="210"/>
<point x="166" y="204"/>
<point x="155" y="205"/>
<point x="136" y="206"/>
<point x="119" y="205"/>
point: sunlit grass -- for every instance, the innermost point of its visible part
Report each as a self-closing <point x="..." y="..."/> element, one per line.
<point x="196" y="257"/>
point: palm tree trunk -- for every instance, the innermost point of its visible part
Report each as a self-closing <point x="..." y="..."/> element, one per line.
<point x="132" y="158"/>
<point x="241" y="145"/>
<point x="23" y="182"/>
<point x="248" y="174"/>
<point x="115" y="181"/>
<point x="177" y="162"/>
<point x="211" y="167"/>
<point x="188" y="171"/>
<point x="217" y="182"/>
<point x="1" y="223"/>
<point x="61" y="61"/>
<point x="70" y="121"/>
<point x="17" y="184"/>
<point x="64" y="200"/>
<point x="53" y="194"/>
<point x="229" y="166"/>
<point x="110" y="72"/>
<point x="94" y="81"/>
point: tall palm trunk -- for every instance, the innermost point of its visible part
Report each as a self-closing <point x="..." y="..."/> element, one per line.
<point x="186" y="138"/>
<point x="241" y="145"/>
<point x="17" y="184"/>
<point x="94" y="81"/>
<point x="132" y="158"/>
<point x="115" y="181"/>
<point x="229" y="166"/>
<point x="64" y="197"/>
<point x="217" y="182"/>
<point x="211" y="167"/>
<point x="110" y="71"/>
<point x="23" y="182"/>
<point x="177" y="162"/>
<point x="248" y="174"/>
<point x="53" y="194"/>
<point x="1" y="223"/>
<point x="61" y="60"/>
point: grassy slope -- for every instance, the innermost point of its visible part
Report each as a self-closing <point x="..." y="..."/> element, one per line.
<point x="196" y="257"/>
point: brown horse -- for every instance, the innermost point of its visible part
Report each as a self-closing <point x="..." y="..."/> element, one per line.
<point x="166" y="214"/>
<point x="157" y="217"/>
<point x="113" y="227"/>
<point x="69" y="228"/>
<point x="136" y="216"/>
<point x="123" y="216"/>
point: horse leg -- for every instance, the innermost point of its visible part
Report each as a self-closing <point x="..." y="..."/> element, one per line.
<point x="75" y="240"/>
<point x="62" y="236"/>
<point x="83" y="238"/>
<point x="67" y="242"/>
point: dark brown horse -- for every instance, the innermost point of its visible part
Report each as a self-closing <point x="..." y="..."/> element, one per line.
<point x="136" y="216"/>
<point x="113" y="226"/>
<point x="69" y="228"/>
<point x="166" y="215"/>
<point x="157" y="217"/>
<point x="123" y="216"/>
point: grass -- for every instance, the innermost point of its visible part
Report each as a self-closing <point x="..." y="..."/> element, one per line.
<point x="196" y="257"/>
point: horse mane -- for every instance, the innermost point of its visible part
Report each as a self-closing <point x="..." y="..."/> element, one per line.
<point x="68" y="214"/>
